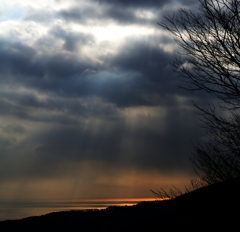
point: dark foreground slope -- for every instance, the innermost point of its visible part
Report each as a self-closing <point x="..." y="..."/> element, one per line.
<point x="212" y="207"/>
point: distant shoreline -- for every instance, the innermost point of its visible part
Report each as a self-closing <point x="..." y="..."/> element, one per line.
<point x="18" y="210"/>
<point x="213" y="207"/>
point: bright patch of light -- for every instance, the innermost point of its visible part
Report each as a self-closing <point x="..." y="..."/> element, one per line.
<point x="113" y="32"/>
<point x="32" y="4"/>
<point x="135" y="116"/>
<point x="169" y="48"/>
<point x="10" y="12"/>
<point x="144" y="111"/>
<point x="145" y="14"/>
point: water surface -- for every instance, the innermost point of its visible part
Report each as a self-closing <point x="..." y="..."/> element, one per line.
<point x="18" y="210"/>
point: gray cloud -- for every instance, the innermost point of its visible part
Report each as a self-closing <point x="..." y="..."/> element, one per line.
<point x="14" y="128"/>
<point x="116" y="143"/>
<point x="122" y="11"/>
<point x="70" y="95"/>
<point x="140" y="62"/>
<point x="122" y="16"/>
<point x="136" y="3"/>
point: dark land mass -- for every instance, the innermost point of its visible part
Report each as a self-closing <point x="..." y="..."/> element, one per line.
<point x="212" y="207"/>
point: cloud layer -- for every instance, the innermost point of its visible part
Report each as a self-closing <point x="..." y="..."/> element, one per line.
<point x="89" y="84"/>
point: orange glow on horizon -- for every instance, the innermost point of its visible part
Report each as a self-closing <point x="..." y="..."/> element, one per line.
<point x="112" y="200"/>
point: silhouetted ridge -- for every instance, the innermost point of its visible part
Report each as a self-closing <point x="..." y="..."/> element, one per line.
<point x="213" y="206"/>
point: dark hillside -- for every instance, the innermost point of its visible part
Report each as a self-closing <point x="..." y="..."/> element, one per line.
<point x="216" y="204"/>
<point x="213" y="207"/>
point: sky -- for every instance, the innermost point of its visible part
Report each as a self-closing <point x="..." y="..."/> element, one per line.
<point x="89" y="103"/>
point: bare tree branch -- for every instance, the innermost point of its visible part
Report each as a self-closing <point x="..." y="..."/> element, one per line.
<point x="209" y="49"/>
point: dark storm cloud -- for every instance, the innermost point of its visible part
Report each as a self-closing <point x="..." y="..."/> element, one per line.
<point x="80" y="144"/>
<point x="146" y="78"/>
<point x="72" y="40"/>
<point x="22" y="60"/>
<point x="136" y="3"/>
<point x="121" y="145"/>
<point x="121" y="11"/>
<point x="80" y="14"/>
<point x="140" y="62"/>
<point x="13" y="128"/>
<point x="142" y="57"/>
<point x="122" y="16"/>
<point x="5" y="144"/>
<point x="146" y="4"/>
<point x="82" y="98"/>
<point x="16" y="57"/>
<point x="8" y="135"/>
<point x="11" y="109"/>
<point x="23" y="106"/>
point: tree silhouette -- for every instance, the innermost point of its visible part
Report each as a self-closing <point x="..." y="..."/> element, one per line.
<point x="209" y="48"/>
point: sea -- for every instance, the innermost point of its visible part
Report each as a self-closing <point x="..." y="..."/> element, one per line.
<point x="18" y="210"/>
